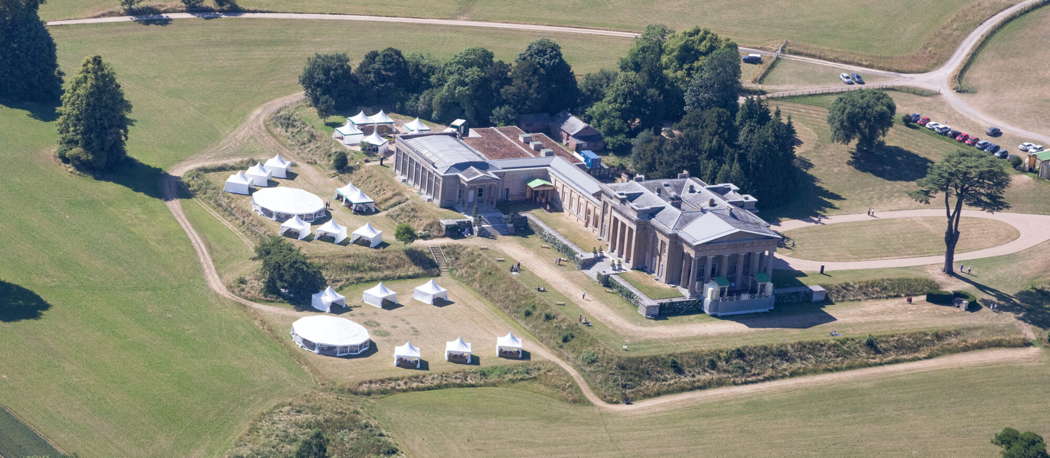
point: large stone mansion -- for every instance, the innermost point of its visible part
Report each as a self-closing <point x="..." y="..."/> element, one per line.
<point x="705" y="239"/>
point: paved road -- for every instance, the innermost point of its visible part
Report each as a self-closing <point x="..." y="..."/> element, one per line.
<point x="1034" y="229"/>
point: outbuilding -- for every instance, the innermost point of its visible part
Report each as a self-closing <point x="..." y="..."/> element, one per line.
<point x="278" y="166"/>
<point x="325" y="299"/>
<point x="509" y="346"/>
<point x="379" y="295"/>
<point x="430" y="293"/>
<point x="296" y="225"/>
<point x="238" y="183"/>
<point x="331" y="336"/>
<point x="258" y="175"/>
<point x="458" y="351"/>
<point x="367" y="234"/>
<point x="332" y="229"/>
<point x="408" y="355"/>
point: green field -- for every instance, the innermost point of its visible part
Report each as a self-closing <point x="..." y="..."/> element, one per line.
<point x="908" y="237"/>
<point x="952" y="412"/>
<point x="867" y="28"/>
<point x="1011" y="53"/>
<point x="18" y="439"/>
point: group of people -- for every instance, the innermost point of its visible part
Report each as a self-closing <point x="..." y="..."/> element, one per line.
<point x="871" y="212"/>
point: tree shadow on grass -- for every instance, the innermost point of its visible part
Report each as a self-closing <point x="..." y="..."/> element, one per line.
<point x="811" y="199"/>
<point x="149" y="15"/>
<point x="18" y="303"/>
<point x="1030" y="306"/>
<point x="142" y="178"/>
<point x="891" y="163"/>
<point x="39" y="111"/>
<point x="793" y="316"/>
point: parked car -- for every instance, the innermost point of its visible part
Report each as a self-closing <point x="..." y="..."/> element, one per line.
<point x="914" y="117"/>
<point x="1002" y="154"/>
<point x="932" y="125"/>
<point x="923" y="121"/>
<point x="1035" y="148"/>
<point x="845" y="78"/>
<point x="981" y="145"/>
<point x="753" y="59"/>
<point x="953" y="133"/>
<point x="972" y="141"/>
<point x="943" y="130"/>
<point x="1029" y="147"/>
<point x="962" y="137"/>
<point x="994" y="132"/>
<point x="992" y="148"/>
<point x="856" y="78"/>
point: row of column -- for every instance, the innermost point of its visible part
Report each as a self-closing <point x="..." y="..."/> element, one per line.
<point x="622" y="240"/>
<point x="417" y="175"/>
<point x="758" y="261"/>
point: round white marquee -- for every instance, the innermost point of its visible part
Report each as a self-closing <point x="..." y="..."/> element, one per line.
<point x="281" y="203"/>
<point x="329" y="335"/>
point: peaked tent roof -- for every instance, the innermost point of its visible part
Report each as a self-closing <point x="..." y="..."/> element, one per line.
<point x="346" y="190"/>
<point x="459" y="345"/>
<point x="380" y="290"/>
<point x="296" y="223"/>
<point x="359" y="118"/>
<point x="367" y="231"/>
<point x="331" y="295"/>
<point x="416" y="125"/>
<point x="332" y="227"/>
<point x="374" y="139"/>
<point x="509" y="340"/>
<point x="431" y="287"/>
<point x="239" y="178"/>
<point x="348" y="129"/>
<point x="407" y="350"/>
<point x="258" y="170"/>
<point x="380" y="118"/>
<point x="358" y="197"/>
<point x="278" y="161"/>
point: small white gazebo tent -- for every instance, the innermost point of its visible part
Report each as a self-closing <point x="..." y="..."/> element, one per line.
<point x="371" y="235"/>
<point x="259" y="175"/>
<point x="237" y="183"/>
<point x="359" y="119"/>
<point x="374" y="140"/>
<point x="509" y="344"/>
<point x="297" y="225"/>
<point x="407" y="354"/>
<point x="379" y="294"/>
<point x="356" y="199"/>
<point x="416" y="126"/>
<point x="324" y="300"/>
<point x="380" y="118"/>
<point x="430" y="292"/>
<point x="458" y="349"/>
<point x="348" y="134"/>
<point x="278" y="166"/>
<point x="332" y="229"/>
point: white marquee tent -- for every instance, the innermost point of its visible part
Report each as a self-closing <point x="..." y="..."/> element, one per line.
<point x="458" y="349"/>
<point x="259" y="175"/>
<point x="359" y="119"/>
<point x="278" y="166"/>
<point x="374" y="140"/>
<point x="324" y="300"/>
<point x="380" y="118"/>
<point x="357" y="200"/>
<point x="348" y="134"/>
<point x="416" y="126"/>
<point x="237" y="184"/>
<point x="369" y="234"/>
<point x="297" y="225"/>
<point x="430" y="292"/>
<point x="407" y="354"/>
<point x="285" y="202"/>
<point x="379" y="294"/>
<point x="329" y="335"/>
<point x="509" y="343"/>
<point x="332" y="229"/>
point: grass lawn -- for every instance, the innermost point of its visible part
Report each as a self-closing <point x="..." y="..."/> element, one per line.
<point x="1013" y="54"/>
<point x="568" y="227"/>
<point x="952" y="412"/>
<point x="795" y="73"/>
<point x="893" y="238"/>
<point x="649" y="286"/>
<point x="19" y="439"/>
<point x="869" y="29"/>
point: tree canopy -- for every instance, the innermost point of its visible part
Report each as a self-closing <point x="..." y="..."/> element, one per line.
<point x="1016" y="444"/>
<point x="287" y="272"/>
<point x="717" y="83"/>
<point x="315" y="446"/>
<point x="541" y="80"/>
<point x="385" y="77"/>
<point x="863" y="115"/>
<point x="685" y="53"/>
<point x="405" y="234"/>
<point x="93" y="119"/>
<point x="966" y="177"/>
<point x="329" y="83"/>
<point x="468" y="86"/>
<point x="28" y="62"/>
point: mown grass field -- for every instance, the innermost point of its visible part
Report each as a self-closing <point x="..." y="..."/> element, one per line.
<point x="1014" y="56"/>
<point x="908" y="237"/>
<point x="952" y="412"/>
<point x="794" y="73"/>
<point x="874" y="29"/>
<point x="18" y="439"/>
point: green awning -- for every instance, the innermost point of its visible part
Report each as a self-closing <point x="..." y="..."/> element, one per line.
<point x="539" y="183"/>
<point x="1043" y="155"/>
<point x="761" y="277"/>
<point x="722" y="281"/>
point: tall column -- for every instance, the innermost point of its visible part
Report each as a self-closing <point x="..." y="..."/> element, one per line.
<point x="769" y="264"/>
<point x="707" y="268"/>
<point x="739" y="270"/>
<point x="614" y="237"/>
<point x="753" y="268"/>
<point x="724" y="268"/>
<point x="683" y="278"/>
<point x="692" y="273"/>
<point x="631" y="245"/>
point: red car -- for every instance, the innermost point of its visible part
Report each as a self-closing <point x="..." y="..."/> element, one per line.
<point x="972" y="141"/>
<point x="923" y="121"/>
<point x="962" y="137"/>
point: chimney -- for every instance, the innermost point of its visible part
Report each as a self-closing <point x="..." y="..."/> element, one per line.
<point x="536" y="146"/>
<point x="683" y="174"/>
<point x="692" y="189"/>
<point x="676" y="201"/>
<point x="525" y="138"/>
<point x="547" y="152"/>
<point x="711" y="203"/>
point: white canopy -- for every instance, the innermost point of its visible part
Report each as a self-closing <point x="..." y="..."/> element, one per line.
<point x="258" y="175"/>
<point x="324" y="300"/>
<point x="345" y="190"/>
<point x="278" y="166"/>
<point x="408" y="353"/>
<point x="508" y="342"/>
<point x="237" y="183"/>
<point x="348" y="129"/>
<point x="352" y="194"/>
<point x="380" y="118"/>
<point x="332" y="229"/>
<point x="416" y="125"/>
<point x="378" y="294"/>
<point x="373" y="236"/>
<point x="457" y="346"/>
<point x="429" y="292"/>
<point x="359" y="119"/>
<point x="330" y="335"/>
<point x="297" y="225"/>
<point x="374" y="140"/>
<point x="284" y="202"/>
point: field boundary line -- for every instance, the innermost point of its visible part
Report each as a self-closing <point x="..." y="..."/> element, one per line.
<point x="34" y="429"/>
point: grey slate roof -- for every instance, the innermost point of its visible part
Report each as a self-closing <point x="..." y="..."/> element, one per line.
<point x="578" y="178"/>
<point x="443" y="151"/>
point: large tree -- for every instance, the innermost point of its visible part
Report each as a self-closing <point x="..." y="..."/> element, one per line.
<point x="717" y="83"/>
<point x="863" y="115"/>
<point x="468" y="86"/>
<point x="385" y="77"/>
<point x="542" y="65"/>
<point x="287" y="272"/>
<point x="93" y="120"/>
<point x="329" y="83"/>
<point x="685" y="53"/>
<point x="28" y="63"/>
<point x="593" y="87"/>
<point x="1016" y="444"/>
<point x="963" y="178"/>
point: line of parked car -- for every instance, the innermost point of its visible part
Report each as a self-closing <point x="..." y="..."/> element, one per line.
<point x="962" y="137"/>
<point x="851" y="78"/>
<point x="1030" y="147"/>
